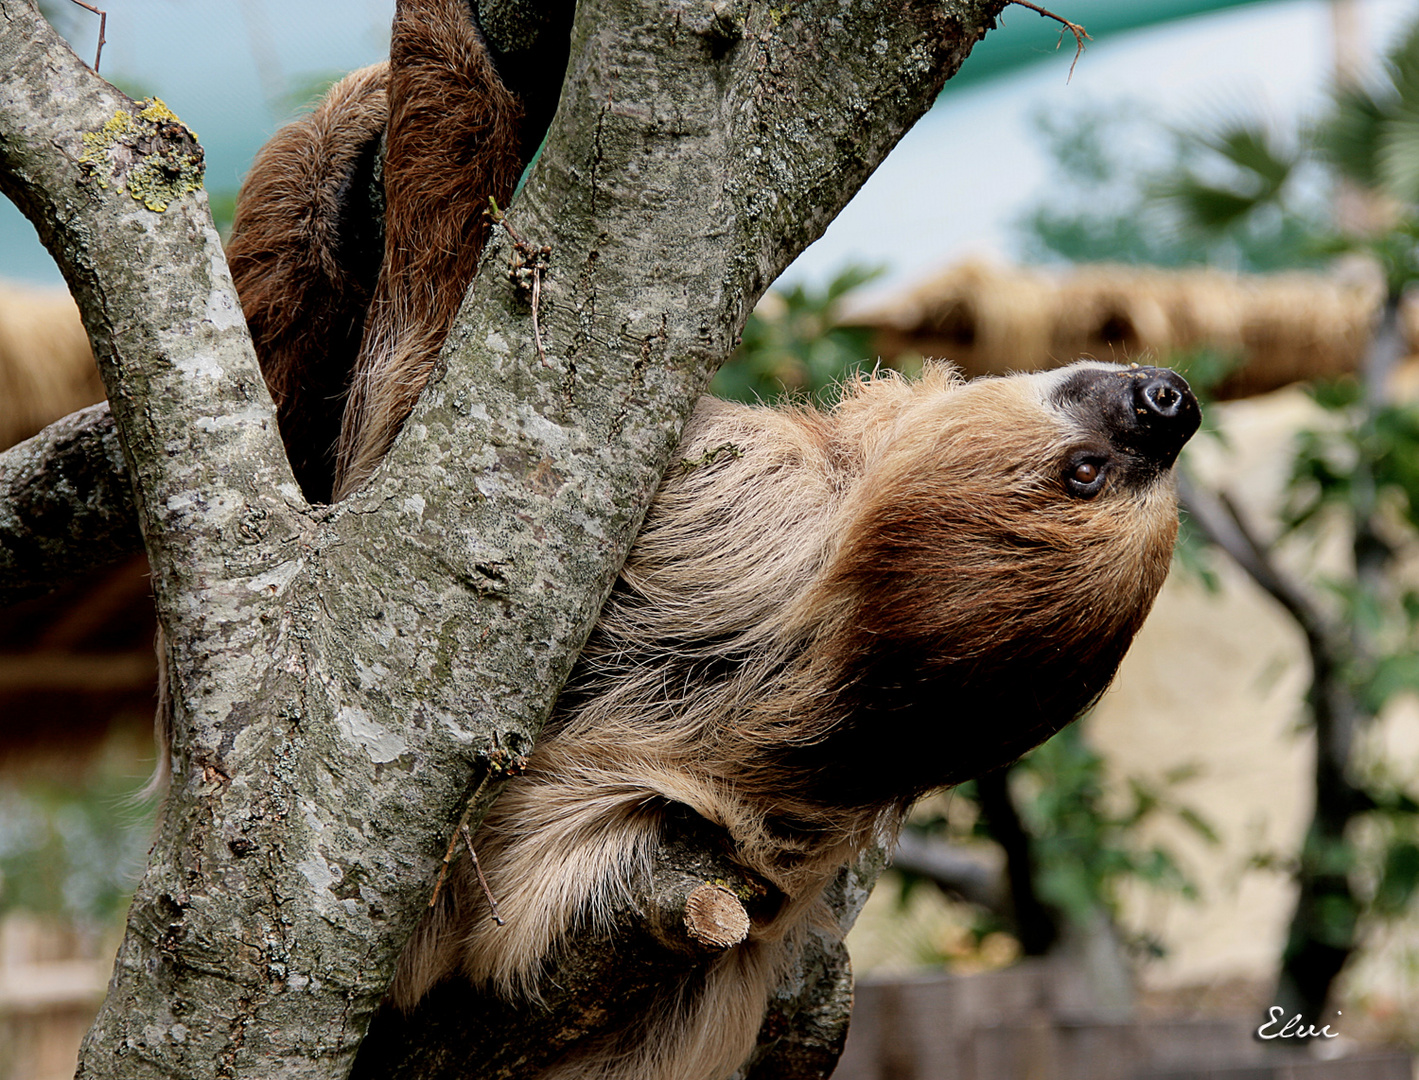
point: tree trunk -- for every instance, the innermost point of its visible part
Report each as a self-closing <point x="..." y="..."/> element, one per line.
<point x="345" y="678"/>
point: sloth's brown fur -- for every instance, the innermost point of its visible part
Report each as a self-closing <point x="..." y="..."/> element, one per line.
<point x="347" y="318"/>
<point x="304" y="254"/>
<point x="826" y="613"/>
<point x="453" y="142"/>
<point x="773" y="584"/>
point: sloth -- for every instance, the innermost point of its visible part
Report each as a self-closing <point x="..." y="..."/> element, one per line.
<point x="827" y="613"/>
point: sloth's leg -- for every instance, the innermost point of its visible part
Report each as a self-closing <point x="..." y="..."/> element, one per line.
<point x="304" y="253"/>
<point x="458" y="135"/>
<point x="566" y="857"/>
<point x="557" y="854"/>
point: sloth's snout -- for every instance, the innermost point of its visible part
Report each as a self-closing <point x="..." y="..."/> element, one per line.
<point x="1164" y="393"/>
<point x="1148" y="412"/>
<point x="1165" y="412"/>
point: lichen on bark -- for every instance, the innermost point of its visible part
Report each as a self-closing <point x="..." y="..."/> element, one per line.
<point x="146" y="152"/>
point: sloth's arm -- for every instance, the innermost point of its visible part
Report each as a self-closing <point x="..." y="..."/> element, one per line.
<point x="360" y="226"/>
<point x="454" y="140"/>
<point x="305" y="252"/>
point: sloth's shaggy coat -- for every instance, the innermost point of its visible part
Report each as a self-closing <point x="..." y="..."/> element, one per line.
<point x="791" y="561"/>
<point x="826" y="614"/>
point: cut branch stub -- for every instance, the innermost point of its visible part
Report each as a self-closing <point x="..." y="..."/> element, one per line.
<point x="612" y="972"/>
<point x="714" y="916"/>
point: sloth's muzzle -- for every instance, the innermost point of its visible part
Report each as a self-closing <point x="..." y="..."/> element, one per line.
<point x="1164" y="412"/>
<point x="1147" y="412"/>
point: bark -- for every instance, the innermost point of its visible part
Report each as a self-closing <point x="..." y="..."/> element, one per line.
<point x="66" y="505"/>
<point x="343" y="678"/>
<point x="459" y="1032"/>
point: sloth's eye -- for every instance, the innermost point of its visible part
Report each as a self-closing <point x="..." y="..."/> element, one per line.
<point x="1085" y="479"/>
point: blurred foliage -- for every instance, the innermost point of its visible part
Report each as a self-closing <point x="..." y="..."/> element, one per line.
<point x="1362" y="470"/>
<point x="72" y="850"/>
<point x="1089" y="832"/>
<point x="1376" y="446"/>
<point x="1371" y="133"/>
<point x="1247" y="197"/>
<point x="1132" y="190"/>
<point x="793" y="345"/>
<point x="1360" y="473"/>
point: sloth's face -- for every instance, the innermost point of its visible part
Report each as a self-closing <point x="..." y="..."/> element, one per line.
<point x="1129" y="423"/>
<point x="1011" y="539"/>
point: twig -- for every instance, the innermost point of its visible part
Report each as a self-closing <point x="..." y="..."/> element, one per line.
<point x="453" y="840"/>
<point x="103" y="22"/>
<point x="529" y="264"/>
<point x="500" y="763"/>
<point x="536" y="302"/>
<point x="1080" y="34"/>
<point x="478" y="869"/>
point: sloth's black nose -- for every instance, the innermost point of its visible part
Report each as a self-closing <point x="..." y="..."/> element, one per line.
<point x="1163" y="393"/>
<point x="1165" y="412"/>
<point x="1149" y="412"/>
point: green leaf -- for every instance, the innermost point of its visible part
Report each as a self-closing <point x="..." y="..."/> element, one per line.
<point x="1399" y="879"/>
<point x="1207" y="206"/>
<point x="1198" y="824"/>
<point x="1397" y="156"/>
<point x="1349" y="135"/>
<point x="1254" y="150"/>
<point x="1393" y="674"/>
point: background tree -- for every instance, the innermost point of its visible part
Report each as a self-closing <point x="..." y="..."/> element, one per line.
<point x="1247" y="196"/>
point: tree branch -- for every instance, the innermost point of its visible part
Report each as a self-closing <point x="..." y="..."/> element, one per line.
<point x="344" y="677"/>
<point x="114" y="189"/>
<point x="1080" y="34"/>
<point x="66" y="505"/>
<point x="953" y="870"/>
<point x="1217" y="518"/>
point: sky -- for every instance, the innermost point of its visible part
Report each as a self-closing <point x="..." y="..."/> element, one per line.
<point x="959" y="182"/>
<point x="955" y="187"/>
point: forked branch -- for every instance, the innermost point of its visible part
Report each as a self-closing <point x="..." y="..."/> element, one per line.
<point x="1080" y="34"/>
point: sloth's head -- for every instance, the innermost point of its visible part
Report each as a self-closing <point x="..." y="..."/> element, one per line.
<point x="1010" y="539"/>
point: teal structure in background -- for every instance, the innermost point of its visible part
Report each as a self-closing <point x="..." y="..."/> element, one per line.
<point x="198" y="59"/>
<point x="1024" y="37"/>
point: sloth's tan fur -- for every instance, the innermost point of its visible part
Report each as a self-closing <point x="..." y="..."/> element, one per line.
<point x="749" y="553"/>
<point x="827" y="612"/>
